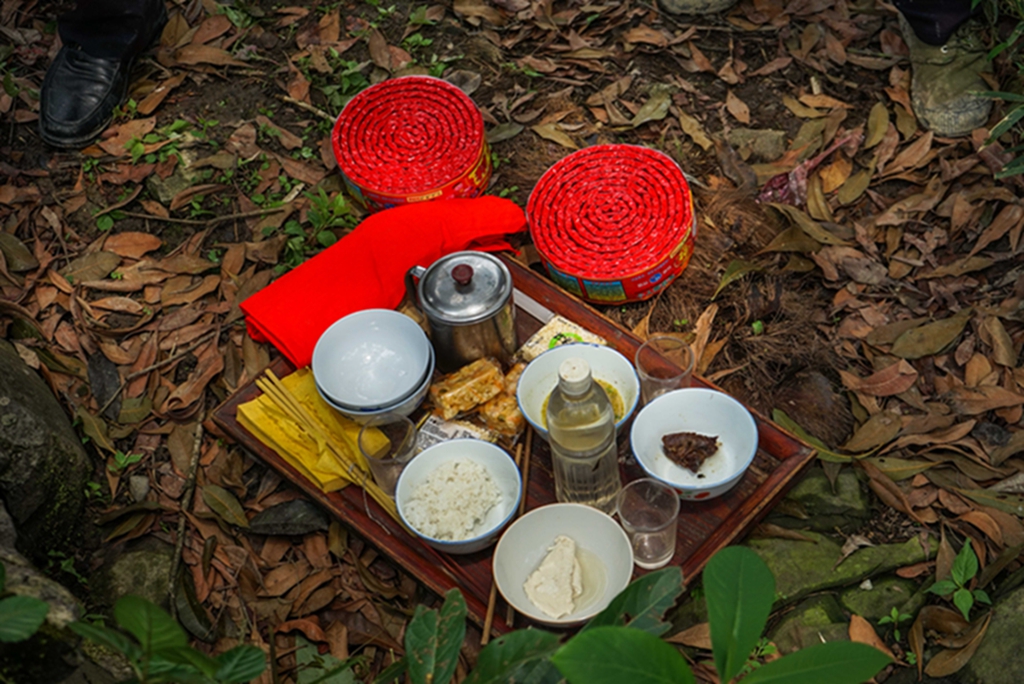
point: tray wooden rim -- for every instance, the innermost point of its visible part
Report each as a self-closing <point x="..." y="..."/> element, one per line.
<point x="440" y="572"/>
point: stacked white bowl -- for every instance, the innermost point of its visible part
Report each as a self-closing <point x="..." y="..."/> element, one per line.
<point x="373" y="362"/>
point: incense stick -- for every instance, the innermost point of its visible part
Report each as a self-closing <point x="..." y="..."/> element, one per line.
<point x="274" y="388"/>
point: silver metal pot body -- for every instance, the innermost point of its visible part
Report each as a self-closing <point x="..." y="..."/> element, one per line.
<point x="467" y="299"/>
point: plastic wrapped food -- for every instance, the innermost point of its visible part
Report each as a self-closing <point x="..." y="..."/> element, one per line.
<point x="502" y="413"/>
<point x="555" y="332"/>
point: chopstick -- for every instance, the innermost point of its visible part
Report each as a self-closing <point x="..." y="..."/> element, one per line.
<point x="510" y="614"/>
<point x="526" y="469"/>
<point x="493" y="597"/>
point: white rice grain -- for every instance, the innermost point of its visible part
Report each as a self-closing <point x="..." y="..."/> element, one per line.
<point x="452" y="500"/>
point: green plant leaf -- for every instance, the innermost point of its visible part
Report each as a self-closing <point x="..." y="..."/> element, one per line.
<point x="642" y="604"/>
<point x="20" y="617"/>
<point x="982" y="597"/>
<point x="240" y="664"/>
<point x="837" y="662"/>
<point x="739" y="589"/>
<point x="154" y="629"/>
<point x="1007" y="122"/>
<point x="104" y="636"/>
<point x="943" y="588"/>
<point x="736" y="269"/>
<point x="314" y="668"/>
<point x="541" y="671"/>
<point x="616" y="655"/>
<point x="392" y="673"/>
<point x="159" y="670"/>
<point x="188" y="656"/>
<point x="965" y="566"/>
<point x="824" y="452"/>
<point x="964" y="600"/>
<point x="432" y="641"/>
<point x="510" y="652"/>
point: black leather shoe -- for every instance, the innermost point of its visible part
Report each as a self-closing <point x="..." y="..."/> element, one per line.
<point x="80" y="93"/>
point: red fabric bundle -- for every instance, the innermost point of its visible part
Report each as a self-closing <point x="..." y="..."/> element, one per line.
<point x="366" y="269"/>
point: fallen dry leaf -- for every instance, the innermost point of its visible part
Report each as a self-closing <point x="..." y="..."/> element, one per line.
<point x="697" y="636"/>
<point x="131" y="244"/>
<point x="862" y="632"/>
<point x="206" y="54"/>
<point x="737" y="108"/>
<point x="891" y="380"/>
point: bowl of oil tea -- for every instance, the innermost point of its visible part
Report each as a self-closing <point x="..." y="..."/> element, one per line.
<point x="611" y="370"/>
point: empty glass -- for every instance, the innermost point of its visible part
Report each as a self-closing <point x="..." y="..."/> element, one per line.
<point x="648" y="512"/>
<point x="388" y="442"/>
<point x="664" y="363"/>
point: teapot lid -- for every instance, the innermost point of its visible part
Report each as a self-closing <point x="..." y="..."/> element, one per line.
<point x="464" y="288"/>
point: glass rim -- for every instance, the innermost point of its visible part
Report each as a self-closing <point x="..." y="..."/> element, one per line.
<point x="647" y="481"/>
<point x="691" y="359"/>
<point x="381" y="421"/>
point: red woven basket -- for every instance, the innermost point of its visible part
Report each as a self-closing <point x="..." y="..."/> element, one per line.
<point x="613" y="223"/>
<point x="411" y="139"/>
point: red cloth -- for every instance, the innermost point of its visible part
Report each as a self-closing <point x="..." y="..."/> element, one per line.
<point x="366" y="268"/>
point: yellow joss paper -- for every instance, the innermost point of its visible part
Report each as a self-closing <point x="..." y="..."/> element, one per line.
<point x="308" y="453"/>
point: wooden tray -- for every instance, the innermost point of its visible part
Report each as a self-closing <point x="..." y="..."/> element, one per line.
<point x="704" y="527"/>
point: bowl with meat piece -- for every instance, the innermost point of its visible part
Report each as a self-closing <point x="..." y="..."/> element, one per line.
<point x="612" y="371"/>
<point x="699" y="441"/>
<point x="562" y="564"/>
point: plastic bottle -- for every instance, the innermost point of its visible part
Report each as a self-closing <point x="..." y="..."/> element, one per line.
<point x="581" y="431"/>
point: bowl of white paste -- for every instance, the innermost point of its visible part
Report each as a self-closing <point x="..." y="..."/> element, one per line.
<point x="562" y="564"/>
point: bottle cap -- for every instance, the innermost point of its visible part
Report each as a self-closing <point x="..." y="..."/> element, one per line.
<point x="574" y="376"/>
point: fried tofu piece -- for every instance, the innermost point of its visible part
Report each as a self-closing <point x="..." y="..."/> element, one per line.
<point x="467" y="388"/>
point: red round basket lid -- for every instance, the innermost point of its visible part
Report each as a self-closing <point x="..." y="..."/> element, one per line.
<point x="408" y="135"/>
<point x="609" y="211"/>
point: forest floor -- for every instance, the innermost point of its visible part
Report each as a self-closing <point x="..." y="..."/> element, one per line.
<point x="838" y="240"/>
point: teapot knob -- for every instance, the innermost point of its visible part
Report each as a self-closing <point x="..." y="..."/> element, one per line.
<point x="462" y="274"/>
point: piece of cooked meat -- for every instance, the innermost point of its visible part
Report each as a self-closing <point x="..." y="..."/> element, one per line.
<point x="689" y="449"/>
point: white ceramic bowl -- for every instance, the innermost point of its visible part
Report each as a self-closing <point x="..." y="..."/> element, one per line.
<point x="706" y="412"/>
<point x="541" y="377"/>
<point x="602" y="548"/>
<point x="500" y="467"/>
<point x="404" y="407"/>
<point x="371" y="359"/>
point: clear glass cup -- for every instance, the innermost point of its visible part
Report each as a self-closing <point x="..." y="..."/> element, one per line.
<point x="649" y="512"/>
<point x="664" y="363"/>
<point x="388" y="442"/>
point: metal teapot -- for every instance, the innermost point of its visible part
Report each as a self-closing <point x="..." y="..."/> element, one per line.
<point x="467" y="299"/>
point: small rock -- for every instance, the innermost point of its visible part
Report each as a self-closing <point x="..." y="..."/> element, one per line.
<point x="807" y="624"/>
<point x="997" y="660"/>
<point x="847" y="508"/>
<point x="879" y="598"/>
<point x="165" y="189"/>
<point x="144" y="571"/>
<point x="991" y="434"/>
<point x="810" y="399"/>
<point x="138" y="487"/>
<point x="801" y="567"/>
<point x="764" y="145"/>
<point x="43" y="468"/>
<point x="294" y="517"/>
<point x="48" y="655"/>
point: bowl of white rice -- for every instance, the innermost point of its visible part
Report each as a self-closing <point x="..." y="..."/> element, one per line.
<point x="458" y="495"/>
